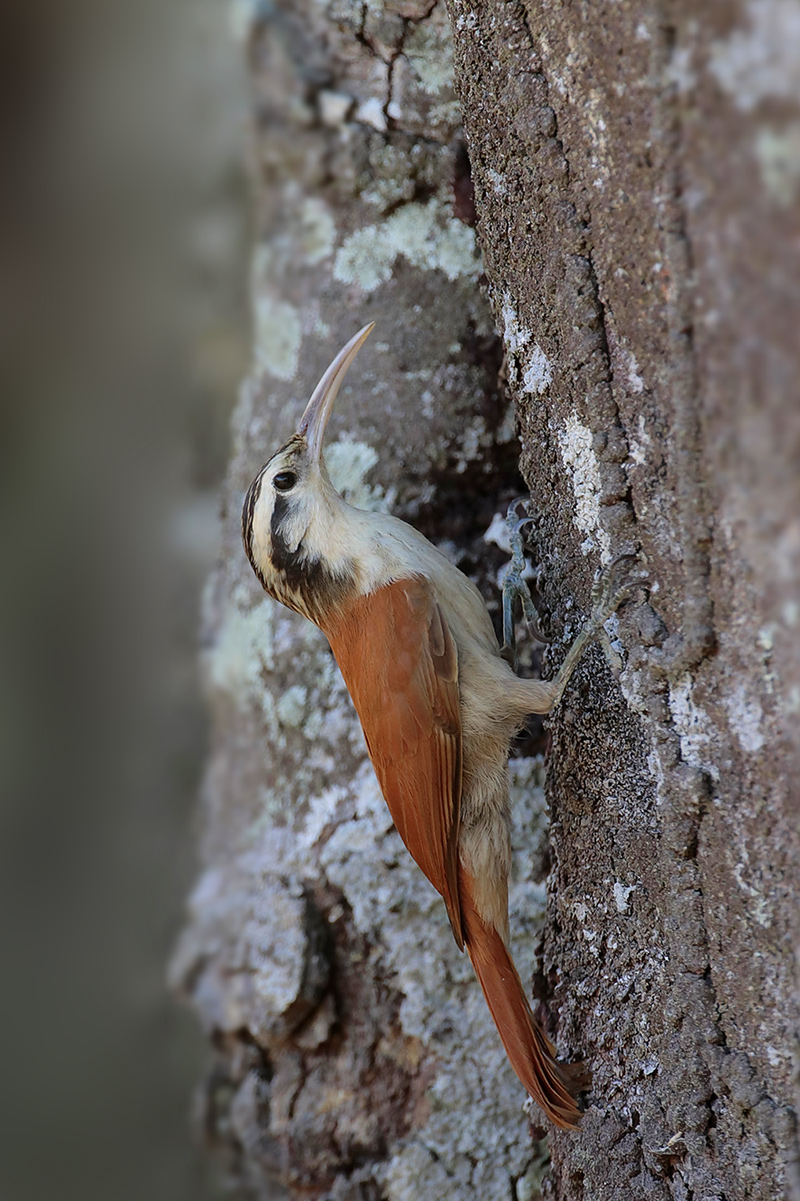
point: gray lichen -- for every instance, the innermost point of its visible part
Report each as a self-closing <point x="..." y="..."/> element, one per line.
<point x="424" y="234"/>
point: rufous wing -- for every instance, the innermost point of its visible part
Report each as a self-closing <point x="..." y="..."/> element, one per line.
<point x="400" y="665"/>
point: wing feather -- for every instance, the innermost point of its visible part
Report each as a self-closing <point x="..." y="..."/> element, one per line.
<point x="400" y="665"/>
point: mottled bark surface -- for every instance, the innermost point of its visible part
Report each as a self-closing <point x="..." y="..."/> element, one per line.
<point x="634" y="179"/>
<point x="635" y="238"/>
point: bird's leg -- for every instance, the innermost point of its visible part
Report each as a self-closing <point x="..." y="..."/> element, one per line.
<point x="607" y="596"/>
<point x="612" y="658"/>
<point x="514" y="585"/>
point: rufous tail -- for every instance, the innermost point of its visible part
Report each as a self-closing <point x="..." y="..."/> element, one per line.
<point x="529" y="1050"/>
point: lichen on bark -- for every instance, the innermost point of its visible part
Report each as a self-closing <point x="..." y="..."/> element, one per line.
<point x="357" y="1056"/>
<point x="648" y="363"/>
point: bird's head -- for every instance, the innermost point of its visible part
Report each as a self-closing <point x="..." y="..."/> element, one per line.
<point x="290" y="512"/>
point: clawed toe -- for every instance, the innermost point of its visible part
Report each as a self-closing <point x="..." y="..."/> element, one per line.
<point x="612" y="587"/>
<point x="515" y="525"/>
<point x="514" y="505"/>
<point x="514" y="585"/>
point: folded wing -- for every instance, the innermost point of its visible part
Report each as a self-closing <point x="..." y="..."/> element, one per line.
<point x="400" y="665"/>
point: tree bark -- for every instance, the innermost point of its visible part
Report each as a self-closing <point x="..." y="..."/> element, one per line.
<point x="628" y="152"/>
<point x="633" y="184"/>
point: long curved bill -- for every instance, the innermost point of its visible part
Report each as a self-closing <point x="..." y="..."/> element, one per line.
<point x="318" y="409"/>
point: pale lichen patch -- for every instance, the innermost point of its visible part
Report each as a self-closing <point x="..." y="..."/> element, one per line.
<point x="475" y="439"/>
<point x="291" y="706"/>
<point x="507" y="430"/>
<point x="778" y="155"/>
<point x="348" y="464"/>
<point x="278" y="334"/>
<point x="596" y="130"/>
<point x="759" y="904"/>
<point x="273" y="946"/>
<point x="680" y="70"/>
<point x="515" y="334"/>
<point x="317" y="233"/>
<point x="621" y="894"/>
<point x="637" y="447"/>
<point x="635" y="381"/>
<point x="334" y="107"/>
<point x="499" y="185"/>
<point x="744" y="717"/>
<point x="776" y="1057"/>
<point x="577" y="452"/>
<point x="656" y="769"/>
<point x="366" y="258"/>
<point x="429" y="50"/>
<point x="325" y="811"/>
<point x="691" y="723"/>
<point x="760" y="62"/>
<point x="497" y="533"/>
<point x="243" y="651"/>
<point x="537" y="374"/>
<point x="425" y="234"/>
<point x="394" y="177"/>
<point x="526" y="361"/>
<point x="370" y="112"/>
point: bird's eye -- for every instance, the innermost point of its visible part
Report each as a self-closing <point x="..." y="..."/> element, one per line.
<point x="284" y="481"/>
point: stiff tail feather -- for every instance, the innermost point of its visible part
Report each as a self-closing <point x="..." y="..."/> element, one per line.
<point x="529" y="1050"/>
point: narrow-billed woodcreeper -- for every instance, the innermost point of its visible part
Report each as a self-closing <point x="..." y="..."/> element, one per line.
<point x="438" y="703"/>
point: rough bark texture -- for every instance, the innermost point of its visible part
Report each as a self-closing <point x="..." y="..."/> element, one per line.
<point x="634" y="178"/>
<point x="635" y="240"/>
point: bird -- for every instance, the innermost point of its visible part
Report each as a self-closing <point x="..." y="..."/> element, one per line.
<point x="438" y="702"/>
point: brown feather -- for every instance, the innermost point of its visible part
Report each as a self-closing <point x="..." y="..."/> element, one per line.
<point x="400" y="665"/>
<point x="399" y="662"/>
<point x="529" y="1050"/>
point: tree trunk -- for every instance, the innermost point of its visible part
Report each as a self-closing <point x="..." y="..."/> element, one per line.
<point x="634" y="176"/>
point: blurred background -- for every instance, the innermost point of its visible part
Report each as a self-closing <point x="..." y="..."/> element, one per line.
<point x="123" y="338"/>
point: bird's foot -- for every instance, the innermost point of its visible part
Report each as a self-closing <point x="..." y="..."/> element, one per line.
<point x="613" y="586"/>
<point x="515" y="586"/>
